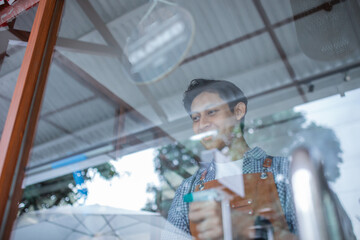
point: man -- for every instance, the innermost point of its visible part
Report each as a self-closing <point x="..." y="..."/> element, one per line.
<point x="220" y="107"/>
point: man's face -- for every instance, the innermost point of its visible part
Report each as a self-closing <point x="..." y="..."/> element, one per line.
<point x="210" y="112"/>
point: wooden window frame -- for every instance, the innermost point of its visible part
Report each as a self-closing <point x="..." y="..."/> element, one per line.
<point x="19" y="129"/>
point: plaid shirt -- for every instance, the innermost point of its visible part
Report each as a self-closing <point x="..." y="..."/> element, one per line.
<point x="253" y="163"/>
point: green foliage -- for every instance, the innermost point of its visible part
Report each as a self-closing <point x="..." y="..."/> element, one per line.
<point x="106" y="171"/>
<point x="179" y="158"/>
<point x="59" y="191"/>
<point x="176" y="157"/>
<point x="280" y="133"/>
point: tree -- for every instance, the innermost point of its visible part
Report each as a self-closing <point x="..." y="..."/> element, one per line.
<point x="280" y="133"/>
<point x="59" y="191"/>
<point x="178" y="158"/>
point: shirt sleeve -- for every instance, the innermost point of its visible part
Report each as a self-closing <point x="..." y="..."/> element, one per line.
<point x="290" y="213"/>
<point x="282" y="180"/>
<point x="177" y="225"/>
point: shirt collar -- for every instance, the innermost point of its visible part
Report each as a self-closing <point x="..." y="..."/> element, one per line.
<point x="252" y="154"/>
<point x="255" y="153"/>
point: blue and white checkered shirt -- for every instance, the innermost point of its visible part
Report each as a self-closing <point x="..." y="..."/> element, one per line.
<point x="253" y="163"/>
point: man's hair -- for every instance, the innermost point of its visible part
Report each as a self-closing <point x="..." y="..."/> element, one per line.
<point x="228" y="91"/>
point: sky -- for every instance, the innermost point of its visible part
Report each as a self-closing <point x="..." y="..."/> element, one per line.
<point x="129" y="190"/>
<point x="343" y="116"/>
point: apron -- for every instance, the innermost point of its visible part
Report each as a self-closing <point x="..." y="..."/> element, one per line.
<point x="261" y="198"/>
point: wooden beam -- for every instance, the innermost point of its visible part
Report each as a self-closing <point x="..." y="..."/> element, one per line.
<point x="20" y="125"/>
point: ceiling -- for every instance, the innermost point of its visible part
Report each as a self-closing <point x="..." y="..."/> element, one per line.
<point x="91" y="104"/>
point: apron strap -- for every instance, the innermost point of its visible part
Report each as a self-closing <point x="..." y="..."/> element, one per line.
<point x="202" y="180"/>
<point x="266" y="166"/>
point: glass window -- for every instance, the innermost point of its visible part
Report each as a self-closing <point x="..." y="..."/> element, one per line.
<point x="130" y="146"/>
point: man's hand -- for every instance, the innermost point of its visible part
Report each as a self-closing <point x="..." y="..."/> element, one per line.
<point x="207" y="216"/>
<point x="208" y="219"/>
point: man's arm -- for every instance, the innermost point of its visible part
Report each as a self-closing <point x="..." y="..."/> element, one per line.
<point x="282" y="180"/>
<point x="177" y="226"/>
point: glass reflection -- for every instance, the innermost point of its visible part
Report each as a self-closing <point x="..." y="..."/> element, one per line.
<point x="114" y="159"/>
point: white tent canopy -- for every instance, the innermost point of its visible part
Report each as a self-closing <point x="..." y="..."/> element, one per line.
<point x="88" y="222"/>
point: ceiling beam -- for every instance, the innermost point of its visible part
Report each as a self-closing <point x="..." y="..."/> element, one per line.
<point x="223" y="45"/>
<point x="85" y="47"/>
<point x="66" y="107"/>
<point x="87" y="80"/>
<point x="119" y="127"/>
<point x="5" y="98"/>
<point x="154" y="103"/>
<point x="132" y="140"/>
<point x="3" y="48"/>
<point x="66" y="131"/>
<point x="69" y="44"/>
<point x="99" y="24"/>
<point x="278" y="47"/>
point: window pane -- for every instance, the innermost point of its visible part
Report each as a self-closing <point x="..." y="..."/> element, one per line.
<point x="119" y="146"/>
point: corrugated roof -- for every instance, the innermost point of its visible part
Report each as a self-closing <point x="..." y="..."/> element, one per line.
<point x="231" y="42"/>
